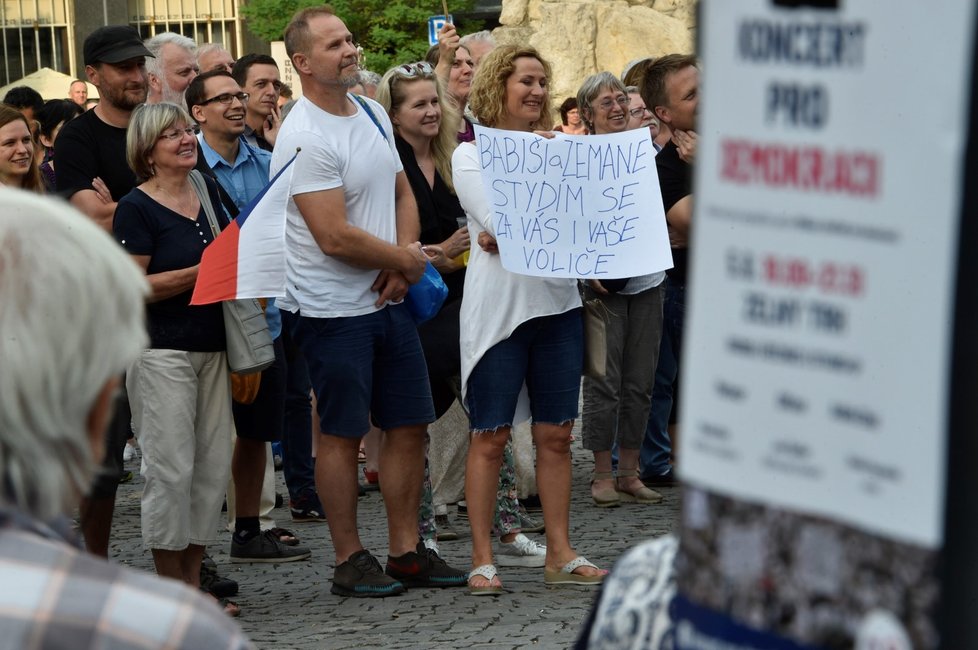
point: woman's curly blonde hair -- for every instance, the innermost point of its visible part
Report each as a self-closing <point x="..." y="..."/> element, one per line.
<point x="488" y="96"/>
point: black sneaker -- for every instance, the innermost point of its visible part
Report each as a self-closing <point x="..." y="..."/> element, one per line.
<point x="362" y="577"/>
<point x="444" y="531"/>
<point x="302" y="514"/>
<point x="266" y="547"/>
<point x="532" y="504"/>
<point x="662" y="480"/>
<point x="214" y="584"/>
<point x="424" y="568"/>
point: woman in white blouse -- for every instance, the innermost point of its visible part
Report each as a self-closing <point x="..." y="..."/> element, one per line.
<point x="519" y="335"/>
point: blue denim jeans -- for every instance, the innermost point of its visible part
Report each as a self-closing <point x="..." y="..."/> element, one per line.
<point x="545" y="352"/>
<point x="656" y="446"/>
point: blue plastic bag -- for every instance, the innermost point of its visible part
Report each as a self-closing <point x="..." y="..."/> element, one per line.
<point x="425" y="297"/>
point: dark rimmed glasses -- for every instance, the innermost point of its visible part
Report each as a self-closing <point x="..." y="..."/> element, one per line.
<point x="226" y="99"/>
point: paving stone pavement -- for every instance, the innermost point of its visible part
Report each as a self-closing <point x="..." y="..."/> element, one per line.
<point x="289" y="605"/>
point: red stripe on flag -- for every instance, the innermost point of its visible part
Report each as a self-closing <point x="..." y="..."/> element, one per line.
<point x="217" y="278"/>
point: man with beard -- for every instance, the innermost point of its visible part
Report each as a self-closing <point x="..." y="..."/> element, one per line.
<point x="352" y="251"/>
<point x="90" y="155"/>
<point x="93" y="146"/>
<point x="172" y="69"/>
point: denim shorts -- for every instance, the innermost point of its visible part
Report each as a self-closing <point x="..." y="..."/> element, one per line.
<point x="547" y="353"/>
<point x="363" y="366"/>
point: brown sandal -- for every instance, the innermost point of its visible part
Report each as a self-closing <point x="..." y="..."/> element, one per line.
<point x="606" y="497"/>
<point x="641" y="495"/>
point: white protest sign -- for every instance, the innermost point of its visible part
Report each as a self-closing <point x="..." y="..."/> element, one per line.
<point x="575" y="206"/>
<point x="824" y="242"/>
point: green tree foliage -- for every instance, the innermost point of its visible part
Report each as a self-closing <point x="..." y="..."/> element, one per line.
<point x="390" y="31"/>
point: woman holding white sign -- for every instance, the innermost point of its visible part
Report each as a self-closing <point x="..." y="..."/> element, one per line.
<point x="425" y="130"/>
<point x="619" y="402"/>
<point x="518" y="333"/>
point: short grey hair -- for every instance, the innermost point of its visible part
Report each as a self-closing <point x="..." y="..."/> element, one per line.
<point x="591" y="88"/>
<point x="155" y="45"/>
<point x="485" y="36"/>
<point x="73" y="318"/>
<point x="208" y="48"/>
<point x="148" y="122"/>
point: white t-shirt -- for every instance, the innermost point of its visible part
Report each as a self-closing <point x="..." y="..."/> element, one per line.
<point x="336" y="151"/>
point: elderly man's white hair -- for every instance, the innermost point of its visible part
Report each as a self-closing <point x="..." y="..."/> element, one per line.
<point x="155" y="45"/>
<point x="71" y="318"/>
<point x="484" y="36"/>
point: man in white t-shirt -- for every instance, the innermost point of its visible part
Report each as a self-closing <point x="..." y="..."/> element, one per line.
<point x="351" y="236"/>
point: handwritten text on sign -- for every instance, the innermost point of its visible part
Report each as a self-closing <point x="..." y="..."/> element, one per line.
<point x="575" y="206"/>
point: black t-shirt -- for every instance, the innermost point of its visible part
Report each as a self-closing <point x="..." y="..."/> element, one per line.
<point x="438" y="208"/>
<point x="144" y="227"/>
<point x="88" y="147"/>
<point x="676" y="182"/>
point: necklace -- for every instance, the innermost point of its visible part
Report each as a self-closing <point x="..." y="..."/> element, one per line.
<point x="183" y="205"/>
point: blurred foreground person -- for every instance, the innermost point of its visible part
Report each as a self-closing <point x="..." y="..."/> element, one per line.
<point x="56" y="394"/>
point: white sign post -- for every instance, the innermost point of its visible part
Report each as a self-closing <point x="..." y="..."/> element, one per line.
<point x="816" y="367"/>
<point x="435" y="23"/>
<point x="826" y="219"/>
<point x="575" y="206"/>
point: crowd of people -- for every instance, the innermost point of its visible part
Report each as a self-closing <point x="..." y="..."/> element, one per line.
<point x="386" y="182"/>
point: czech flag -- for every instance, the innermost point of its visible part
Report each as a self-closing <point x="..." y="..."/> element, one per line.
<point x="247" y="260"/>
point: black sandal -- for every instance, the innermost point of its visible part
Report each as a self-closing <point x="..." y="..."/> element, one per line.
<point x="230" y="607"/>
<point x="285" y="536"/>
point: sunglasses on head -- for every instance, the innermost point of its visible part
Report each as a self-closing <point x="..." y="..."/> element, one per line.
<point x="419" y="69"/>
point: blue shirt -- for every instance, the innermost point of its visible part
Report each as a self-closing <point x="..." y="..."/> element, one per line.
<point x="243" y="180"/>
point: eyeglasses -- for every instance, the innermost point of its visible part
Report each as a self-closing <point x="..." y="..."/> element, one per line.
<point x="622" y="101"/>
<point x="176" y="134"/>
<point x="420" y="69"/>
<point x="639" y="112"/>
<point x="226" y="99"/>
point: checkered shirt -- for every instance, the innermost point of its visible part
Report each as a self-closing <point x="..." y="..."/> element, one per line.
<point x="53" y="595"/>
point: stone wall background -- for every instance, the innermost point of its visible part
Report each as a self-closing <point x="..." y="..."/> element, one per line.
<point x="581" y="37"/>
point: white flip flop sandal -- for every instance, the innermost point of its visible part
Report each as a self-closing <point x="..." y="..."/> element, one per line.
<point x="487" y="571"/>
<point x="566" y="575"/>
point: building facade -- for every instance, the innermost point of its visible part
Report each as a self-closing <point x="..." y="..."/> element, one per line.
<point x="50" y="33"/>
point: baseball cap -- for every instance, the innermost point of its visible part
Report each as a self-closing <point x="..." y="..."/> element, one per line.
<point x="113" y="44"/>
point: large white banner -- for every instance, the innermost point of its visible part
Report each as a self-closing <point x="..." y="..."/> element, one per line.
<point x="575" y="206"/>
<point x="827" y="202"/>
